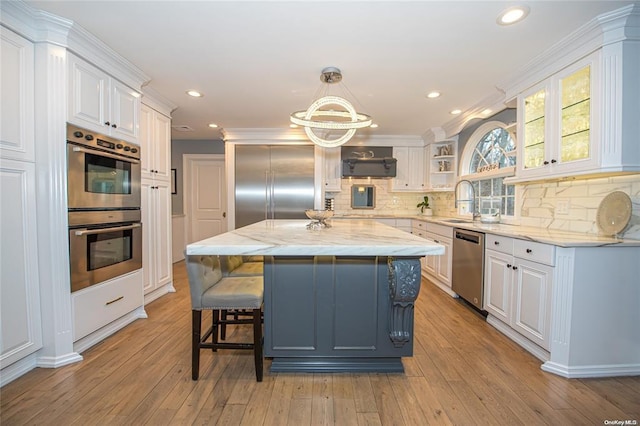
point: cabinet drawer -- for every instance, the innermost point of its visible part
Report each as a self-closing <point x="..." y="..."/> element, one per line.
<point x="98" y="305"/>
<point x="499" y="243"/>
<point x="418" y="224"/>
<point x="419" y="232"/>
<point x="536" y="252"/>
<point x="445" y="231"/>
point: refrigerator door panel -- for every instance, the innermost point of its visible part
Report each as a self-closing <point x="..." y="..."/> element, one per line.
<point x="293" y="181"/>
<point x="273" y="182"/>
<point x="252" y="166"/>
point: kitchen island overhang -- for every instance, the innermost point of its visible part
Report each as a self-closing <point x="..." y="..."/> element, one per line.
<point x="336" y="299"/>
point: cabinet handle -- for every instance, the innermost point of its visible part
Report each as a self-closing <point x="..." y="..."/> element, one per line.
<point x="553" y="161"/>
<point x="508" y="265"/>
<point x="106" y="123"/>
<point x="546" y="163"/>
<point x="514" y="267"/>
<point x="114" y="126"/>
<point x="436" y="241"/>
<point x="529" y="251"/>
<point x="114" y="300"/>
<point x="496" y="243"/>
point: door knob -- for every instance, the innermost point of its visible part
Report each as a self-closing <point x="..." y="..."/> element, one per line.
<point x="224" y="214"/>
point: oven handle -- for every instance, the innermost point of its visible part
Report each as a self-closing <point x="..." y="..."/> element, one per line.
<point x="105" y="230"/>
<point x="106" y="154"/>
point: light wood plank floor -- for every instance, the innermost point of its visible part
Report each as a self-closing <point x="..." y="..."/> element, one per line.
<point x="462" y="372"/>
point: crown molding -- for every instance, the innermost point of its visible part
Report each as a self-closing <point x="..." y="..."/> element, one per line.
<point x="33" y="24"/>
<point x="495" y="103"/>
<point x="39" y="26"/>
<point x="612" y="27"/>
<point x="155" y="100"/>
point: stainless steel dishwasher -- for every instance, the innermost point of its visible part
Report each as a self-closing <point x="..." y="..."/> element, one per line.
<point x="467" y="277"/>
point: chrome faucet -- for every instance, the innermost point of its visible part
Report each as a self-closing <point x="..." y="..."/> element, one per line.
<point x="475" y="214"/>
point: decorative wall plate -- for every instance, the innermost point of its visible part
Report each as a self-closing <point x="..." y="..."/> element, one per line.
<point x="614" y="213"/>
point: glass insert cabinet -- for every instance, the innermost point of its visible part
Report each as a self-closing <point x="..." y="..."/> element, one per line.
<point x="557" y="122"/>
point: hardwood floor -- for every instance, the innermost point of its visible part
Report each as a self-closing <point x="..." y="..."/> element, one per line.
<point x="462" y="372"/>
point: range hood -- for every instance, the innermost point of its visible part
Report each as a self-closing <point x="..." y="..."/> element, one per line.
<point x="363" y="162"/>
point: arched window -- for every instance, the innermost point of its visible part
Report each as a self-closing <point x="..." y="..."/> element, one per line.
<point x="489" y="157"/>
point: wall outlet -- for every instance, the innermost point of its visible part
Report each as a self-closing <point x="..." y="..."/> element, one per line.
<point x="562" y="206"/>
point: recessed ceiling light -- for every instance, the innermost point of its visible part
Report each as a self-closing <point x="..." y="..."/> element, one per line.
<point x="194" y="93"/>
<point x="293" y="126"/>
<point x="374" y="126"/>
<point x="512" y="15"/>
<point x="433" y="95"/>
<point x="455" y="112"/>
<point x="486" y="111"/>
<point x="213" y="125"/>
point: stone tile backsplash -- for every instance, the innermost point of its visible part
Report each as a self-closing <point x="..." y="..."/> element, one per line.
<point x="569" y="205"/>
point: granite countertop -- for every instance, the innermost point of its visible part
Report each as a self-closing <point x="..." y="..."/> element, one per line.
<point x="530" y="233"/>
<point x="358" y="237"/>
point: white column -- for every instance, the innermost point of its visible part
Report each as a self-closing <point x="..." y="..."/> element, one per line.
<point x="50" y="134"/>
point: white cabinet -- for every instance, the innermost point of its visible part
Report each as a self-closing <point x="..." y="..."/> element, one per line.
<point x="332" y="170"/>
<point x="517" y="283"/>
<point x="155" y="151"/>
<point x="156" y="244"/>
<point x="19" y="278"/>
<point x="437" y="268"/>
<point x="99" y="305"/>
<point x="572" y="123"/>
<point x="155" y="144"/>
<point x="410" y="170"/>
<point x="17" y="101"/>
<point x="399" y="223"/>
<point x="21" y="331"/>
<point x="441" y="163"/>
<point x="101" y="103"/>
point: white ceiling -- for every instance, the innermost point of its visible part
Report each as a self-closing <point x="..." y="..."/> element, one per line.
<point x="257" y="62"/>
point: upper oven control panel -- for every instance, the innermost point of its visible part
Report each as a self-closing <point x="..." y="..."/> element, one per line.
<point x="80" y="136"/>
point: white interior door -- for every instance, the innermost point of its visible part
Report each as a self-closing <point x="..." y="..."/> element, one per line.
<point x="205" y="196"/>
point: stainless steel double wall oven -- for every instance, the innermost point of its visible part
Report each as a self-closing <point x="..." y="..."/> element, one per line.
<point x="105" y="232"/>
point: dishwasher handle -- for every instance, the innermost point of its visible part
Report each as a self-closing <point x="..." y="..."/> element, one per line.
<point x="472" y="238"/>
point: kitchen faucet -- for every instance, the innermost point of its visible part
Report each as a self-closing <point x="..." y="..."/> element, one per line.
<point x="475" y="214"/>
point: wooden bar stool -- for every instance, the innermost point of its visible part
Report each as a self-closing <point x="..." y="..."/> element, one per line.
<point x="211" y="290"/>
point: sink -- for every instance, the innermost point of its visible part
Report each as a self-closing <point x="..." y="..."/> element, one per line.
<point x="456" y="220"/>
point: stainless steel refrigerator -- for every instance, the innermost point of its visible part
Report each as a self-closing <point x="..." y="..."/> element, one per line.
<point x="273" y="182"/>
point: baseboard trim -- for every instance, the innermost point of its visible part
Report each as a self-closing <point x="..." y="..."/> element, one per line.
<point x="58" y="361"/>
<point x="159" y="292"/>
<point x="591" y="371"/>
<point x="17" y="369"/>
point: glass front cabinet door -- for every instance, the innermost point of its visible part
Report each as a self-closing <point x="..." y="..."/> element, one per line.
<point x="557" y="123"/>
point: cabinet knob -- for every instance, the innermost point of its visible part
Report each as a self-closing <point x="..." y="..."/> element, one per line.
<point x="553" y="161"/>
<point x="114" y="126"/>
<point x="508" y="265"/>
<point x="496" y="243"/>
<point x="515" y="267"/>
<point x="436" y="241"/>
<point x="529" y="251"/>
<point x="546" y="163"/>
<point x="106" y="123"/>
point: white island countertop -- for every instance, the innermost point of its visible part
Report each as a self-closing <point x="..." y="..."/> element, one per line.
<point x="292" y="238"/>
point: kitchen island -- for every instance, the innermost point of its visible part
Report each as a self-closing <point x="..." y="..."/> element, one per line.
<point x="336" y="299"/>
